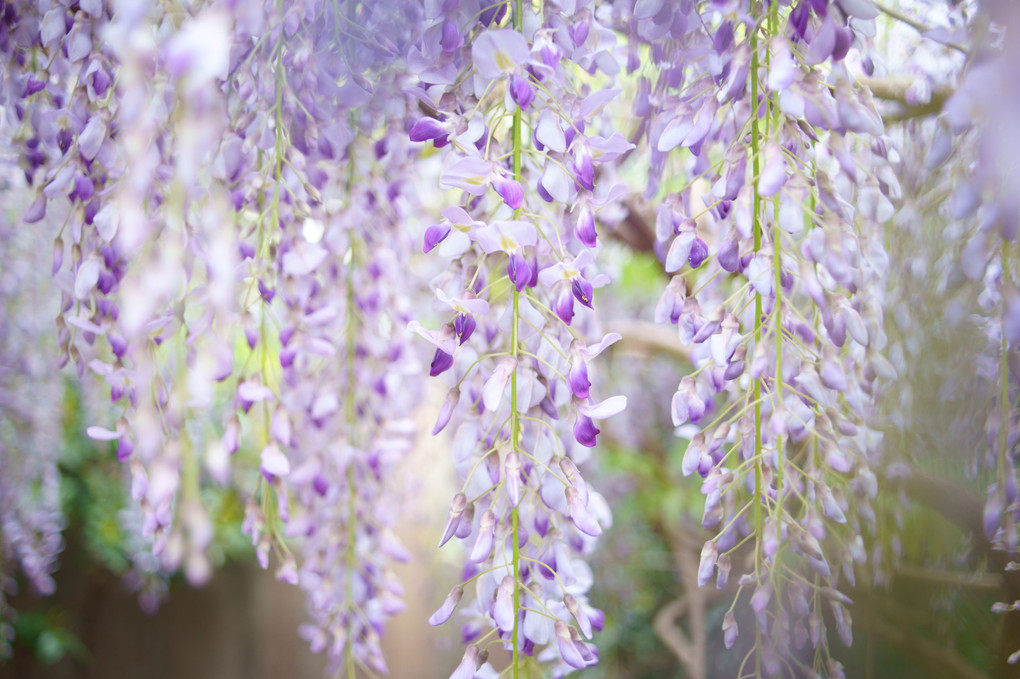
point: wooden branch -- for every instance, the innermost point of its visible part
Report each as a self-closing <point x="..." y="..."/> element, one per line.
<point x="917" y="26"/>
<point x="894" y="89"/>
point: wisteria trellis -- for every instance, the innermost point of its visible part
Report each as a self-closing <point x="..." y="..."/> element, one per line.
<point x="238" y="192"/>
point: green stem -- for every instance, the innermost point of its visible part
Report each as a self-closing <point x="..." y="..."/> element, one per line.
<point x="756" y="389"/>
<point x="515" y="420"/>
<point x="350" y="413"/>
<point x="775" y="121"/>
<point x="1004" y="410"/>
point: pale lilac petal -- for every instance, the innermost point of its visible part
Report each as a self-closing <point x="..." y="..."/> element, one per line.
<point x="87" y="277"/>
<point x="557" y="183"/>
<point x="833" y="377"/>
<point x="102" y="434"/>
<point x="91" y="138"/>
<point x="443" y="339"/>
<point x="860" y="9"/>
<point x="783" y="69"/>
<point x="680" y="251"/>
<point x="523" y="234"/>
<point x="483" y="543"/>
<point x="200" y="50"/>
<point x="513" y="478"/>
<point x="600" y="411"/>
<point x="730" y="629"/>
<point x="568" y="651"/>
<point x="709" y="553"/>
<point x="471" y="174"/>
<point x="36" y="211"/>
<point x="579" y="614"/>
<point x="500" y="52"/>
<point x="468" y="664"/>
<point x="274" y="462"/>
<point x="580" y="515"/>
<point x="550" y="134"/>
<point x="503" y="609"/>
<point x="446" y="412"/>
<point x="488" y="238"/>
<point x="773" y="174"/>
<point x="761" y="597"/>
<point x="53" y="27"/>
<point x="456" y="509"/>
<point x="593" y="350"/>
<point x="492" y="392"/>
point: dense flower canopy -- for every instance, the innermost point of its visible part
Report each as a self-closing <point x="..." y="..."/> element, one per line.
<point x="277" y="226"/>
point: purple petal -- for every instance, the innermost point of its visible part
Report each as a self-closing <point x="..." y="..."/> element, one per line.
<point x="585" y="431"/>
<point x="464" y="326"/>
<point x="441" y="362"/>
<point x="582" y="290"/>
<point x="434" y="235"/>
<point x="452" y="40"/>
<point x="578" y="378"/>
<point x="699" y="251"/>
<point x="448" y="607"/>
<point x="510" y="191"/>
<point x="124" y="449"/>
<point x="563" y="305"/>
<point x="519" y="271"/>
<point x="521" y="91"/>
<point x="833" y="377"/>
<point x="584" y="229"/>
<point x="584" y="172"/>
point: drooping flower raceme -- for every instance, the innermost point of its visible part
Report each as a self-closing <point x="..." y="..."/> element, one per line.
<point x="522" y="136"/>
<point x="774" y="243"/>
<point x="211" y="219"/>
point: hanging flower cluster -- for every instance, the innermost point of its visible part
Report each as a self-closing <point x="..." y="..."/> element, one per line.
<point x="212" y="191"/>
<point x="524" y="143"/>
<point x="775" y="243"/>
<point x="30" y="515"/>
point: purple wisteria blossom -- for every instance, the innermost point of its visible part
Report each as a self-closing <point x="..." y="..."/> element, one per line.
<point x="527" y="411"/>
